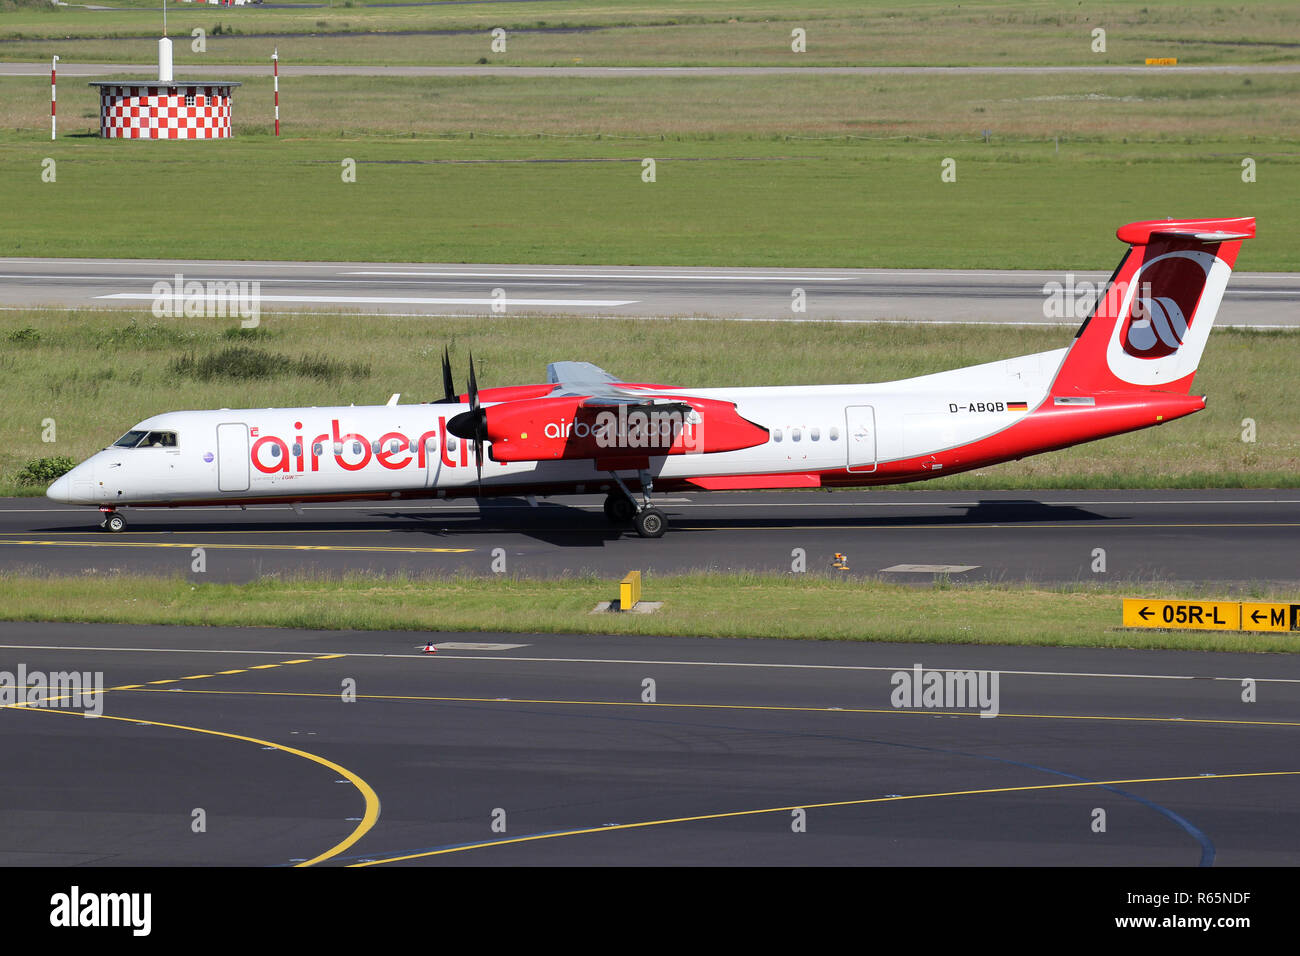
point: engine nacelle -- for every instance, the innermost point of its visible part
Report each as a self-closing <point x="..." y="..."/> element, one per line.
<point x="563" y="428"/>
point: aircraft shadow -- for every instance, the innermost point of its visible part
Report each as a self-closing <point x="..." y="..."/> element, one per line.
<point x="567" y="526"/>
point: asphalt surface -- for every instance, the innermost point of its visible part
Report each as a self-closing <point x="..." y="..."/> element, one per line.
<point x="543" y="750"/>
<point x="1234" y="537"/>
<point x="852" y="295"/>
<point x="184" y="70"/>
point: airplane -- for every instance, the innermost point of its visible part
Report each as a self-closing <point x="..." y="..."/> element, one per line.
<point x="1130" y="366"/>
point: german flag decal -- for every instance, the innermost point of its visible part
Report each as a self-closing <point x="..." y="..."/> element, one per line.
<point x="1017" y="407"/>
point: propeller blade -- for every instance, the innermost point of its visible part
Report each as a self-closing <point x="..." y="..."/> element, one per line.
<point x="475" y="422"/>
<point x="448" y="384"/>
<point x="478" y="463"/>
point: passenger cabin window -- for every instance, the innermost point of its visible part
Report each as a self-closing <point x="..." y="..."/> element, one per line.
<point x="835" y="434"/>
<point x="794" y="434"/>
<point x="776" y="435"/>
<point x="815" y="434"/>
<point x="137" y="438"/>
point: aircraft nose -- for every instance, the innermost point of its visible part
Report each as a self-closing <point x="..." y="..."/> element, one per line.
<point x="61" y="490"/>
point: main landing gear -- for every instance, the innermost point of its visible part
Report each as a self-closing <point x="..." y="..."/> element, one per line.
<point x="621" y="507"/>
<point x="112" y="521"/>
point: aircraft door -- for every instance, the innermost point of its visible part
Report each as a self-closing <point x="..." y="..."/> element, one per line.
<point x="232" y="457"/>
<point x="860" y="430"/>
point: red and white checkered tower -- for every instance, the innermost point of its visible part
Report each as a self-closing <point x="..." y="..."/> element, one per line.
<point x="166" y="109"/>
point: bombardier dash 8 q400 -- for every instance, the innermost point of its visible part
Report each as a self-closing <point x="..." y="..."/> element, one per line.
<point x="1130" y="366"/>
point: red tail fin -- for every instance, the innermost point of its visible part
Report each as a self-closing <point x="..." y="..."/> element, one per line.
<point x="1151" y="323"/>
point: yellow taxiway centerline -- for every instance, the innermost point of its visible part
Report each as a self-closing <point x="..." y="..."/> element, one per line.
<point x="816" y="806"/>
<point x="369" y="818"/>
<point x="902" y="711"/>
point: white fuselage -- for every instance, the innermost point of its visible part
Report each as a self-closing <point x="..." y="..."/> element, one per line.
<point x="244" y="455"/>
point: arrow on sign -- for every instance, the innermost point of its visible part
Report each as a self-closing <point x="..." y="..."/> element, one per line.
<point x="1146" y="612"/>
<point x="1255" y="616"/>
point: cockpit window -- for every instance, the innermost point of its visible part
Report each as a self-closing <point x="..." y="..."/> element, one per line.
<point x="130" y="439"/>
<point x="137" y="438"/>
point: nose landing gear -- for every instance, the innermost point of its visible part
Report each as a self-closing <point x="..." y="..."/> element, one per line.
<point x="112" y="520"/>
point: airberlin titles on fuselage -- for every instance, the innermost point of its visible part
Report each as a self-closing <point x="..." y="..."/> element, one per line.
<point x="393" y="450"/>
<point x="663" y="431"/>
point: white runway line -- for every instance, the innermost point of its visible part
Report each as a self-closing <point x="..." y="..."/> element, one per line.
<point x="375" y="300"/>
<point x="680" y="277"/>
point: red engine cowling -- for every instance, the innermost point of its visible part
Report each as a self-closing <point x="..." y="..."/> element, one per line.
<point x="562" y="428"/>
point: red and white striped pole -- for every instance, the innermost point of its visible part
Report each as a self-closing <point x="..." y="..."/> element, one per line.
<point x="54" y="123"/>
<point x="275" y="65"/>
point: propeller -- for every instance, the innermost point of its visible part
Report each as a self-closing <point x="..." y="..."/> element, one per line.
<point x="472" y="425"/>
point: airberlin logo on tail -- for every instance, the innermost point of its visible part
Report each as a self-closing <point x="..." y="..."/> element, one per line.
<point x="1163" y="315"/>
<point x="1156" y="328"/>
<point x="1163" y="306"/>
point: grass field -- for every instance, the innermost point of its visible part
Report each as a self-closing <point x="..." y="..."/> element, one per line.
<point x="699" y="605"/>
<point x="751" y="171"/>
<point x="1093" y="114"/>
<point x="677" y="32"/>
<point x="721" y="203"/>
<point x="97" y="373"/>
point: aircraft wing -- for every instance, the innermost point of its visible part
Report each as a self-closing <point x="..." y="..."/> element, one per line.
<point x="596" y="387"/>
<point x="577" y="375"/>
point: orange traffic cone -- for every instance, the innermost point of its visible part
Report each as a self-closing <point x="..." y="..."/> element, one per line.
<point x="430" y="649"/>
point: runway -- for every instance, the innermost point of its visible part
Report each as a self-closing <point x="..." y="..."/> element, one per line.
<point x="1235" y="537"/>
<point x="288" y="69"/>
<point x="1252" y="300"/>
<point x="528" y="750"/>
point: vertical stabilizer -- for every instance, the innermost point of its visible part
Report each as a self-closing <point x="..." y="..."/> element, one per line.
<point x="1150" y="326"/>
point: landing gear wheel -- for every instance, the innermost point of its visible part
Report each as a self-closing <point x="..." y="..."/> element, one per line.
<point x="650" y="523"/>
<point x="619" y="509"/>
<point x="115" y="523"/>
